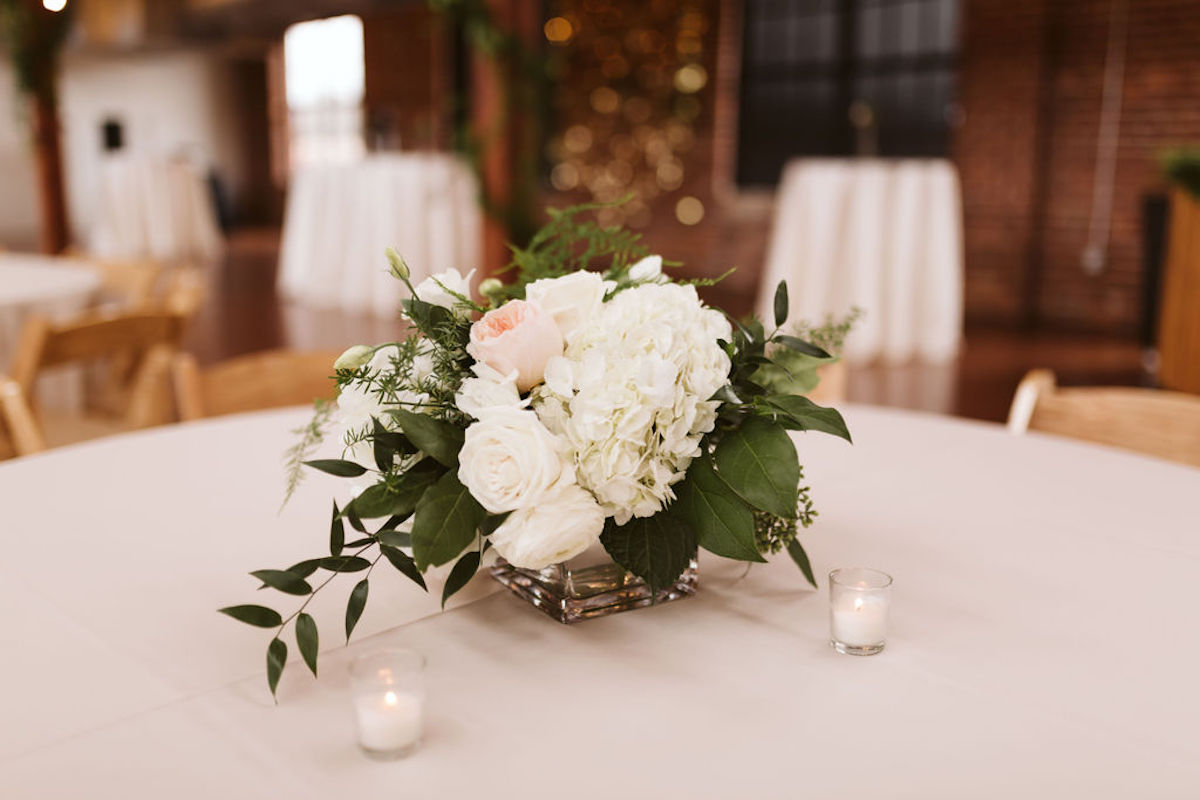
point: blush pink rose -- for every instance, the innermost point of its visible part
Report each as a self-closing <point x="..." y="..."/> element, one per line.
<point x="516" y="336"/>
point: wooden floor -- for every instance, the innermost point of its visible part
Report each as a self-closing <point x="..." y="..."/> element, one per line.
<point x="244" y="314"/>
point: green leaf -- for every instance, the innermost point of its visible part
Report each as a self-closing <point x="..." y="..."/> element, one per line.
<point x="801" y="346"/>
<point x="384" y="454"/>
<point x="801" y="414"/>
<point x="355" y="605"/>
<point x="344" y="564"/>
<point x="338" y="467"/>
<point x="307" y="640"/>
<point x="337" y="532"/>
<point x="259" y="616"/>
<point x="758" y="461"/>
<point x="355" y="521"/>
<point x="781" y="303"/>
<point x="305" y="568"/>
<point x="796" y="551"/>
<point x="446" y="521"/>
<point x="492" y="522"/>
<point x="437" y="439"/>
<point x="412" y="486"/>
<point x="657" y="549"/>
<point x="463" y="571"/>
<point x="357" y="543"/>
<point x="403" y="562"/>
<point x="372" y="502"/>
<point x="723" y="524"/>
<point x="283" y="580"/>
<point x="276" y="660"/>
<point x="394" y="538"/>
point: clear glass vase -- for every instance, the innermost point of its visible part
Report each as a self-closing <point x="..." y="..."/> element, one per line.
<point x="587" y="586"/>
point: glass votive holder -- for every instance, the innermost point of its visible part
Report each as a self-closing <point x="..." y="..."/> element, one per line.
<point x="388" y="691"/>
<point x="859" y="599"/>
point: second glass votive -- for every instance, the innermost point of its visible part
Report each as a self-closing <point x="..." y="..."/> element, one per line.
<point x="388" y="691"/>
<point x="859" y="600"/>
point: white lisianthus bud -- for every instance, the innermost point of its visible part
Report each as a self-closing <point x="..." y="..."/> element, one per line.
<point x="648" y="269"/>
<point x="509" y="460"/>
<point x="490" y="286"/>
<point x="396" y="264"/>
<point x="565" y="523"/>
<point x="354" y="357"/>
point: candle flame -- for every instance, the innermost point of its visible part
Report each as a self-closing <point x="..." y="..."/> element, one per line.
<point x="858" y="604"/>
<point x="389" y="699"/>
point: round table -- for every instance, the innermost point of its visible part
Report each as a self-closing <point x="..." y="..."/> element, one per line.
<point x="44" y="285"/>
<point x="1043" y="639"/>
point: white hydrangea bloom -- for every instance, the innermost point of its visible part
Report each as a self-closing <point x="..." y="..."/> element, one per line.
<point x="630" y="395"/>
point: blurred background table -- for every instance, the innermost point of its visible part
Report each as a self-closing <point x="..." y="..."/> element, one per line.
<point x="340" y="218"/>
<point x="57" y="288"/>
<point x="882" y="235"/>
<point x="1042" y="621"/>
<point x="156" y="209"/>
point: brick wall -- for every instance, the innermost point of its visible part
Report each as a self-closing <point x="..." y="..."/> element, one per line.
<point x="1031" y="89"/>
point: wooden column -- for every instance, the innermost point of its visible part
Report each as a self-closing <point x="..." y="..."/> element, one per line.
<point x="506" y="135"/>
<point x="1179" y="320"/>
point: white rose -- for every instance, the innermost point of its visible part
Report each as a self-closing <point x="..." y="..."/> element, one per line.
<point x="431" y="289"/>
<point x="509" y="460"/>
<point x="648" y="269"/>
<point x="566" y="522"/>
<point x="488" y="391"/>
<point x="572" y="300"/>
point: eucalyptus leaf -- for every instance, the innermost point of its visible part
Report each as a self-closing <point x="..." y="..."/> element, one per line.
<point x="303" y="569"/>
<point x="339" y="467"/>
<point x="796" y="551"/>
<point x="464" y="569"/>
<point x="259" y="616"/>
<point x="355" y="605"/>
<point x="344" y="564"/>
<point x="723" y="524"/>
<point x="394" y="538"/>
<point x="801" y="346"/>
<point x="276" y="661"/>
<point x="781" y="303"/>
<point x="801" y="414"/>
<point x="437" y="439"/>
<point x="404" y="563"/>
<point x="337" y="532"/>
<point x="355" y="521"/>
<point x="357" y="543"/>
<point x="307" y="640"/>
<point x="372" y="502"/>
<point x="446" y="521"/>
<point x="657" y="549"/>
<point x="283" y="580"/>
<point x="758" y="461"/>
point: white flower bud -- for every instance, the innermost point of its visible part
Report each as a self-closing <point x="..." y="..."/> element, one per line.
<point x="398" y="268"/>
<point x="354" y="357"/>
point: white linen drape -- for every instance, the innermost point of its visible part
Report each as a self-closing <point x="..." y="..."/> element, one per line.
<point x="885" y="236"/>
<point x="340" y="218"/>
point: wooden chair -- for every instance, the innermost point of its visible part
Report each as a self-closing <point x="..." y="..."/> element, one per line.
<point x="270" y="379"/>
<point x="148" y="341"/>
<point x="129" y="285"/>
<point x="1150" y="421"/>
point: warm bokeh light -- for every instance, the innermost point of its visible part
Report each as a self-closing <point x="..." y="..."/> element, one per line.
<point x="54" y="5"/>
<point x="690" y="78"/>
<point x="605" y="100"/>
<point x="558" y="30"/>
<point x="689" y="210"/>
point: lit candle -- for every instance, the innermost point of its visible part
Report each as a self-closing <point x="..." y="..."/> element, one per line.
<point x="858" y="610"/>
<point x="389" y="702"/>
<point x="389" y="724"/>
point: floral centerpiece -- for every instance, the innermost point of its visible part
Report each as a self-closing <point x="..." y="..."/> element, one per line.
<point x="591" y="402"/>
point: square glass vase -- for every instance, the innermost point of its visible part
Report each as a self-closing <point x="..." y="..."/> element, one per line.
<point x="590" y="585"/>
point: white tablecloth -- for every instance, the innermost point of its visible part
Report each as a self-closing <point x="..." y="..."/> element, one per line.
<point x="154" y="209"/>
<point x="885" y="236"/>
<point x="340" y="218"/>
<point x="58" y="288"/>
<point x="1043" y="641"/>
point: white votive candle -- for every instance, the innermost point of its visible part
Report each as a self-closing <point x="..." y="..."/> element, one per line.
<point x="391" y="723"/>
<point x="859" y="600"/>
<point x="389" y="702"/>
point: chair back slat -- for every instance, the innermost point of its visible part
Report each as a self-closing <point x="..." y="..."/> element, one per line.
<point x="98" y="338"/>
<point x="271" y="379"/>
